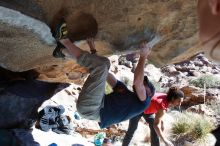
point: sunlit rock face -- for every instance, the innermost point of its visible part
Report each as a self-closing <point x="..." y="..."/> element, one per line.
<point x="26" y="41"/>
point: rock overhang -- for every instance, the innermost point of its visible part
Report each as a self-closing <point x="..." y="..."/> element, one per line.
<point x="121" y="25"/>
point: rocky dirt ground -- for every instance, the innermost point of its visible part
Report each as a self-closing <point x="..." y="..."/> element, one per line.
<point x="177" y="74"/>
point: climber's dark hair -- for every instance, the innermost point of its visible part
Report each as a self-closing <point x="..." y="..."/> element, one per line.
<point x="174" y="93"/>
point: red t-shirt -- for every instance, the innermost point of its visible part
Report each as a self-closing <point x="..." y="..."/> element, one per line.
<point x="158" y="101"/>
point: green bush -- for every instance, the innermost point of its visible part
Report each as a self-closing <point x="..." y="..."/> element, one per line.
<point x="210" y="81"/>
<point x="182" y="126"/>
<point x="201" y="129"/>
<point x="191" y="127"/>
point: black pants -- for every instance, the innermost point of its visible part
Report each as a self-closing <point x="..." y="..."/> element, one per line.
<point x="133" y="124"/>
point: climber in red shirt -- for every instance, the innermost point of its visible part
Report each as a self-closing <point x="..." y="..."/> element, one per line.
<point x="153" y="116"/>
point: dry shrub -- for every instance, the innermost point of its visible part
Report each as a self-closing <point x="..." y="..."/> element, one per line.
<point x="191" y="127"/>
<point x="211" y="81"/>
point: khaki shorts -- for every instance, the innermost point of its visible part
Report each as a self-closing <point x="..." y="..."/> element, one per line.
<point x="91" y="98"/>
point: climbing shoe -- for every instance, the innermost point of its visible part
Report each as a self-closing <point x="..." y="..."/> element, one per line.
<point x="57" y="53"/>
<point x="61" y="30"/>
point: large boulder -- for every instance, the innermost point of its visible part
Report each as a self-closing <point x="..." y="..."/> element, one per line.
<point x="26" y="41"/>
<point x="195" y="95"/>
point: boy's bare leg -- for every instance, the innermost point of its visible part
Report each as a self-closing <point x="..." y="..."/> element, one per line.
<point x="90" y="99"/>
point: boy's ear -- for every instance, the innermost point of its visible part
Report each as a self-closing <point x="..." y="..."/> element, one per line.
<point x="215" y="6"/>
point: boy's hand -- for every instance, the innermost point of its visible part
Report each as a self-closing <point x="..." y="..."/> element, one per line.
<point x="144" y="49"/>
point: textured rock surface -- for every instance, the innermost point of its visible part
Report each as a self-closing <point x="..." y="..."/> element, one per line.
<point x="195" y="96"/>
<point x="121" y="26"/>
<point x="20" y="113"/>
<point x="19" y="102"/>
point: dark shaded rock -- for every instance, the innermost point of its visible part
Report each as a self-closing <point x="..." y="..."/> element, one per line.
<point x="168" y="69"/>
<point x="7" y="138"/>
<point x="25" y="137"/>
<point x="20" y="100"/>
<point x="216" y="133"/>
<point x="215" y="71"/>
<point x="183" y="68"/>
<point x="198" y="63"/>
<point x="175" y="73"/>
<point x="123" y="61"/>
<point x="18" y="110"/>
<point x="194" y="73"/>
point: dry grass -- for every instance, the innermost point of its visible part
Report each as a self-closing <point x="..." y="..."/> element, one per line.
<point x="191" y="127"/>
